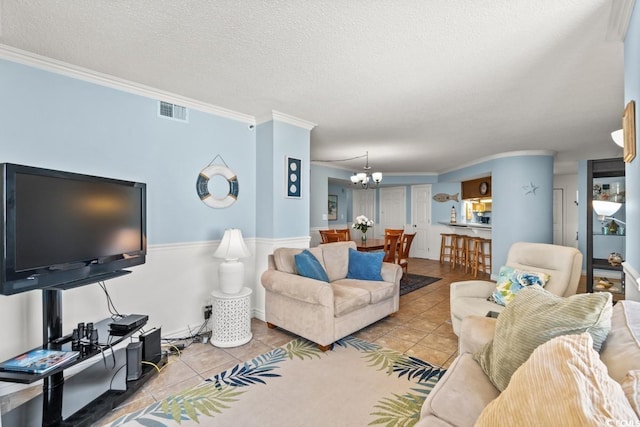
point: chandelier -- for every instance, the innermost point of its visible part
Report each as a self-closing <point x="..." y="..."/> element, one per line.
<point x="366" y="179"/>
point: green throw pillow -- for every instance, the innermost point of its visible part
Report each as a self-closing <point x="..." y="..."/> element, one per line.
<point x="534" y="317"/>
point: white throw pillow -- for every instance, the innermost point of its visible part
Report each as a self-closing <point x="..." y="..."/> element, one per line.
<point x="562" y="383"/>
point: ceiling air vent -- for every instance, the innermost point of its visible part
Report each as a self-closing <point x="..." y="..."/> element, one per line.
<point x="172" y="111"/>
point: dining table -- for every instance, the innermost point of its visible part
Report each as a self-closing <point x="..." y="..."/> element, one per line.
<point x="370" y="245"/>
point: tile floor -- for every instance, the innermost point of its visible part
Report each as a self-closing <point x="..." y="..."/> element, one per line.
<point x="421" y="328"/>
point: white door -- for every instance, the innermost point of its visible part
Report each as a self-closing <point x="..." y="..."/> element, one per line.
<point x="393" y="212"/>
<point x="364" y="203"/>
<point x="558" y="216"/>
<point x="421" y="220"/>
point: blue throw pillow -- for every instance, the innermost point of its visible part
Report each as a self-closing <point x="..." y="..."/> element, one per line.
<point x="365" y="265"/>
<point x="309" y="266"/>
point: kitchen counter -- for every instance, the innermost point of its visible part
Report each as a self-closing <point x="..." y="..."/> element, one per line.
<point x="466" y="225"/>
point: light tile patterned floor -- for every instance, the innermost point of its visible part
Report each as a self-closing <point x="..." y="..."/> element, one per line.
<point x="421" y="328"/>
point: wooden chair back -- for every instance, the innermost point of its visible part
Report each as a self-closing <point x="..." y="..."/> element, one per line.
<point x="323" y="235"/>
<point x="403" y="251"/>
<point x="345" y="231"/>
<point x="334" y="237"/>
<point x="396" y="231"/>
<point x="390" y="247"/>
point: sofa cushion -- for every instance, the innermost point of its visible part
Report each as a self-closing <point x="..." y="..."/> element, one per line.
<point x="511" y="280"/>
<point x="336" y="258"/>
<point x="378" y="291"/>
<point x="621" y="351"/>
<point x="309" y="266"/>
<point x="365" y="265"/>
<point x="284" y="258"/>
<point x="534" y="317"/>
<point x="347" y="299"/>
<point x="464" y="383"/>
<point x="562" y="383"/>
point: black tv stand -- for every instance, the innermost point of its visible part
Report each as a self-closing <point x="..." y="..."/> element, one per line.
<point x="85" y="397"/>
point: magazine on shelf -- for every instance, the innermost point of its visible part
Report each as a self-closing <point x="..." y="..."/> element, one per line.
<point x="39" y="361"/>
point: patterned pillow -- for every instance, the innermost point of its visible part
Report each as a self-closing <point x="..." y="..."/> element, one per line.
<point x="510" y="281"/>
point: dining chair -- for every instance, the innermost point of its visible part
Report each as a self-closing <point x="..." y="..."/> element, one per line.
<point x="390" y="247"/>
<point x="345" y="231"/>
<point x="396" y="231"/>
<point x="334" y="237"/>
<point x="403" y="251"/>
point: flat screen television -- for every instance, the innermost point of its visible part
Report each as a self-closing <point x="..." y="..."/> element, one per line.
<point x="63" y="229"/>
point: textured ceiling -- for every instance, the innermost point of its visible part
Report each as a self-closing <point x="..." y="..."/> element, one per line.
<point x="424" y="85"/>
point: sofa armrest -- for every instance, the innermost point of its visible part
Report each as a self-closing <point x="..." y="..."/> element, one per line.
<point x="298" y="287"/>
<point x="472" y="288"/>
<point x="391" y="273"/>
<point x="475" y="332"/>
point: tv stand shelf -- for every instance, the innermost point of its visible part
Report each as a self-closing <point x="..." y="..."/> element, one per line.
<point x="103" y="346"/>
<point x="83" y="398"/>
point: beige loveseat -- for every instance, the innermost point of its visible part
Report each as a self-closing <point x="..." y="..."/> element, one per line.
<point x="325" y="312"/>
<point x="464" y="391"/>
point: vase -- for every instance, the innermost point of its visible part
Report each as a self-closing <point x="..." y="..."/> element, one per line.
<point x="364" y="237"/>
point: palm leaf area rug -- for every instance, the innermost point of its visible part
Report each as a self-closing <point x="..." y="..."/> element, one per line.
<point x="356" y="383"/>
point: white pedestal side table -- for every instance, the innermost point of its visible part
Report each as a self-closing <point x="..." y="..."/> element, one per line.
<point x="231" y="318"/>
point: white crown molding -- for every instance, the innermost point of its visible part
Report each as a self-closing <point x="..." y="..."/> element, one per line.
<point x="38" y="61"/>
<point x="621" y="11"/>
<point x="285" y="118"/>
<point x="502" y="156"/>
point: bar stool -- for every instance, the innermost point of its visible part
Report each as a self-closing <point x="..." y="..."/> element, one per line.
<point x="462" y="251"/>
<point x="480" y="255"/>
<point x="447" y="248"/>
<point x="486" y="255"/>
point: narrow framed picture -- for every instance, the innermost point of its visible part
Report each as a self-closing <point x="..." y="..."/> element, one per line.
<point x="293" y="179"/>
<point x="629" y="131"/>
<point x="332" y="208"/>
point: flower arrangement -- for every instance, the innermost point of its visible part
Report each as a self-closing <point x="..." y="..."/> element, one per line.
<point x="362" y="223"/>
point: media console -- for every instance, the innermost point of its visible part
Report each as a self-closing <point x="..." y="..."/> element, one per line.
<point x="87" y="396"/>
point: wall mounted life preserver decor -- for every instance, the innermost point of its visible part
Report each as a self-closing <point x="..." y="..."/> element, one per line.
<point x="202" y="185"/>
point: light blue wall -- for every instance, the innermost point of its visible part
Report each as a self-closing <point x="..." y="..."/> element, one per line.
<point x="632" y="171"/>
<point x="441" y="211"/>
<point x="344" y="204"/>
<point x="518" y="214"/>
<point x="292" y="213"/>
<point x="58" y="122"/>
<point x="265" y="183"/>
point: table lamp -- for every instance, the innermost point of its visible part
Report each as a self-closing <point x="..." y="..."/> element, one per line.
<point x="231" y="271"/>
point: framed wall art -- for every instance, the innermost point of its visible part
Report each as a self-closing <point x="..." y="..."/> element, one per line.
<point x="293" y="175"/>
<point x="332" y="208"/>
<point x="629" y="131"/>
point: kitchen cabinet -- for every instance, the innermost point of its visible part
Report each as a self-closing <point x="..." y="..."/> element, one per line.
<point x="477" y="188"/>
<point x="605" y="236"/>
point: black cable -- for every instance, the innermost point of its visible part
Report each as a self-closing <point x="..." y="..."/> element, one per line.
<point x="192" y="337"/>
<point x="110" y="306"/>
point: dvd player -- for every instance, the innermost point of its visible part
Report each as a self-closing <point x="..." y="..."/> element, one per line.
<point x="128" y="323"/>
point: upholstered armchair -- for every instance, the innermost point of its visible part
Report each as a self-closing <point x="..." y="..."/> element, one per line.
<point x="563" y="264"/>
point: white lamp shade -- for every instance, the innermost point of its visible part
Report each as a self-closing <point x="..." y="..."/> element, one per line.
<point x="232" y="246"/>
<point x="377" y="176"/>
<point x="618" y="137"/>
<point x="354" y="178"/>
<point x="362" y="176"/>
<point x="604" y="208"/>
